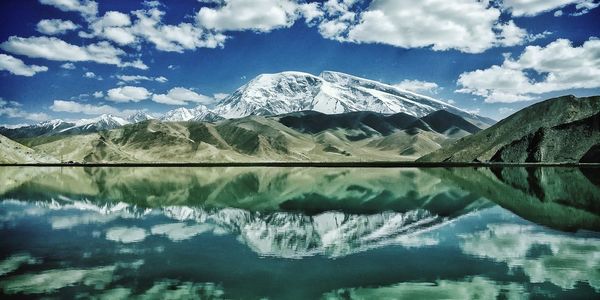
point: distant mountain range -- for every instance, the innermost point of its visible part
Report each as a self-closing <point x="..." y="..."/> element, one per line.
<point x="293" y="116"/>
<point x="343" y="137"/>
<point x="273" y="94"/>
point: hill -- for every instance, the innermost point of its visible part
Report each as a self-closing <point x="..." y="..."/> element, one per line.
<point x="548" y="128"/>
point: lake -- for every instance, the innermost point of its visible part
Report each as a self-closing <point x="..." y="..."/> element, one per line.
<point x="300" y="233"/>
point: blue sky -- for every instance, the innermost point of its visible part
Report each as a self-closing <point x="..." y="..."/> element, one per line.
<point x="75" y="58"/>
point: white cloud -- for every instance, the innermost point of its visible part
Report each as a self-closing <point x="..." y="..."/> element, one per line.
<point x="127" y="94"/>
<point x="18" y="67"/>
<point x="76" y="107"/>
<point x="519" y="8"/>
<point x="68" y="66"/>
<point x="114" y="26"/>
<point x="560" y="66"/>
<point x="55" y="26"/>
<point x="558" y="13"/>
<point x="258" y="15"/>
<point x="439" y="24"/>
<point x="89" y="75"/>
<point x="98" y="94"/>
<point x="138" y="78"/>
<point x="11" y="109"/>
<point x="138" y="64"/>
<point x="152" y="3"/>
<point x="181" y="96"/>
<point x="220" y="96"/>
<point x="173" y="38"/>
<point x="87" y="8"/>
<point x="417" y="86"/>
<point x="52" y="48"/>
<point x="133" y="78"/>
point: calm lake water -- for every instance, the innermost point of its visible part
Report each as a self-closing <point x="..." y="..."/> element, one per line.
<point x="299" y="233"/>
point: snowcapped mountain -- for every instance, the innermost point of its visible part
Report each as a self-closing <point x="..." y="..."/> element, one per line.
<point x="139" y="116"/>
<point x="45" y="128"/>
<point x="275" y="94"/>
<point x="102" y="122"/>
<point x="330" y="93"/>
<point x="199" y="113"/>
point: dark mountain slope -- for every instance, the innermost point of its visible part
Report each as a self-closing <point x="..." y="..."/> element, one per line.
<point x="483" y="145"/>
<point x="563" y="143"/>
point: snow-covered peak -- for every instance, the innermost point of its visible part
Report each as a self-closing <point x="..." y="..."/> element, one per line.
<point x="199" y="113"/>
<point x="102" y="122"/>
<point x="139" y="116"/>
<point x="53" y="124"/>
<point x="178" y="115"/>
<point x="330" y="93"/>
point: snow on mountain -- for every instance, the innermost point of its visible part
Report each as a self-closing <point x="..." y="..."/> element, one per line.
<point x="51" y="124"/>
<point x="330" y="93"/>
<point x="199" y="113"/>
<point x="102" y="122"/>
<point x="178" y="115"/>
<point x="139" y="116"/>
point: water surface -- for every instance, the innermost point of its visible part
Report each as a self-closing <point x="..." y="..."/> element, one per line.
<point x="299" y="233"/>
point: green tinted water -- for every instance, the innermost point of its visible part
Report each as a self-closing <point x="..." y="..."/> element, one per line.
<point x="299" y="233"/>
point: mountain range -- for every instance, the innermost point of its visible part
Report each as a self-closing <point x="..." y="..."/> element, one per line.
<point x="273" y="94"/>
<point x="370" y="136"/>
<point x="294" y="116"/>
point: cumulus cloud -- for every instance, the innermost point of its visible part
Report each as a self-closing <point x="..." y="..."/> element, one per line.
<point x="560" y="66"/>
<point x="173" y="38"/>
<point x="259" y="15"/>
<point x="68" y="66"/>
<point x="114" y="26"/>
<point x="55" y="26"/>
<point x="181" y="96"/>
<point x="87" y="8"/>
<point x="12" y="109"/>
<point x="439" y="24"/>
<point x="138" y="78"/>
<point x="147" y="26"/>
<point x="220" y="96"/>
<point x="76" y="107"/>
<point x="418" y="86"/>
<point x="52" y="48"/>
<point x="92" y="75"/>
<point x="128" y="94"/>
<point x="519" y="8"/>
<point x="18" y="67"/>
<point x="98" y="94"/>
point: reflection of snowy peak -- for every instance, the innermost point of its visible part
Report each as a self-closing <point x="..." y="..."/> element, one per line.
<point x="279" y="234"/>
<point x="285" y="234"/>
<point x="331" y="92"/>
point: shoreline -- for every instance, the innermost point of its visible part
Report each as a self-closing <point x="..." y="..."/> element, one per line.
<point x="374" y="164"/>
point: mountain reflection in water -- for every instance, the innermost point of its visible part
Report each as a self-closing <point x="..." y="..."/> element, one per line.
<point x="298" y="233"/>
